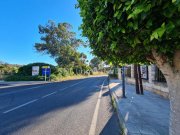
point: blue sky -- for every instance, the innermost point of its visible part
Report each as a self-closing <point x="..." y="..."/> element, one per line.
<point x="19" y="20"/>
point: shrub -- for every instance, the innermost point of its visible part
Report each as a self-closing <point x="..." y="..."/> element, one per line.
<point x="27" y="69"/>
<point x="54" y="77"/>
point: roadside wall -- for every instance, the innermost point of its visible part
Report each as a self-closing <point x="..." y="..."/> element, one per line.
<point x="151" y="82"/>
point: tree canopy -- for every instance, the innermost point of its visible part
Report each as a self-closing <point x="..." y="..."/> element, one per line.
<point x="6" y="68"/>
<point x="61" y="43"/>
<point x="128" y="31"/>
<point x="95" y="62"/>
<point x="138" y="31"/>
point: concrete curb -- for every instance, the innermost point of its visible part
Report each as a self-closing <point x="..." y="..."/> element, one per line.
<point x="21" y="84"/>
<point x="120" y="117"/>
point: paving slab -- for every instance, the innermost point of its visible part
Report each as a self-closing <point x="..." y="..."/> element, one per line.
<point x="146" y="114"/>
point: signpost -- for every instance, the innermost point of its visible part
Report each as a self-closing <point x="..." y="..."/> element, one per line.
<point x="46" y="71"/>
<point x="35" y="70"/>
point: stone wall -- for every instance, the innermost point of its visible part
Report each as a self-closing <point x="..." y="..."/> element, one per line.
<point x="150" y="84"/>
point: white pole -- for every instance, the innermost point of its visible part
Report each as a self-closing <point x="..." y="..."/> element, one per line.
<point x="45" y="74"/>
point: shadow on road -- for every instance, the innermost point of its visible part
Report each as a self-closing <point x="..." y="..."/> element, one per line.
<point x="31" y="114"/>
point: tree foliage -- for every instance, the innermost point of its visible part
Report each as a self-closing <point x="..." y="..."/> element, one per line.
<point x="6" y="68"/>
<point x="138" y="31"/>
<point x="60" y="42"/>
<point x="129" y="30"/>
<point x="95" y="62"/>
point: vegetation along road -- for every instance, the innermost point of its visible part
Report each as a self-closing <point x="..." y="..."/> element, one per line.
<point x="76" y="107"/>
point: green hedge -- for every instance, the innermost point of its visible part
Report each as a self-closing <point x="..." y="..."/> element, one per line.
<point x="27" y="69"/>
<point x="25" y="72"/>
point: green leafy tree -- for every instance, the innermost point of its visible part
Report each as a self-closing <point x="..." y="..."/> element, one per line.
<point x="60" y="43"/>
<point x="136" y="31"/>
<point x="6" y="68"/>
<point x="95" y="62"/>
<point x="83" y="57"/>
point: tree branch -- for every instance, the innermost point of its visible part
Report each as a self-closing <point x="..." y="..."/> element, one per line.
<point x="162" y="63"/>
<point x="176" y="60"/>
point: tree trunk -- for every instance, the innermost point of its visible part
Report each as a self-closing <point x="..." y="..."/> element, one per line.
<point x="172" y="75"/>
<point x="174" y="91"/>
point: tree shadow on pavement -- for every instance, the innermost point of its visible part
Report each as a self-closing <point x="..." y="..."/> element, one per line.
<point x="110" y="124"/>
<point x="111" y="127"/>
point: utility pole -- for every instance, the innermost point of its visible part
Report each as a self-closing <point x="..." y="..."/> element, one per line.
<point x="136" y="79"/>
<point x="140" y="80"/>
<point x="123" y="82"/>
<point x="45" y="74"/>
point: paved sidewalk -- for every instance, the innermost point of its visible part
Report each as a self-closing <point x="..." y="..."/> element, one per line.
<point x="4" y="84"/>
<point x="146" y="114"/>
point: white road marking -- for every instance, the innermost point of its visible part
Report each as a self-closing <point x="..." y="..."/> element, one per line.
<point x="8" y="93"/>
<point x="49" y="94"/>
<point x="71" y="85"/>
<point x="36" y="99"/>
<point x="15" y="108"/>
<point x="77" y="83"/>
<point x="92" y="130"/>
<point x="20" y="106"/>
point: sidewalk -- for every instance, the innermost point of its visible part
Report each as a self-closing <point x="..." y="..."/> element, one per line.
<point x="146" y="114"/>
<point x="20" y="83"/>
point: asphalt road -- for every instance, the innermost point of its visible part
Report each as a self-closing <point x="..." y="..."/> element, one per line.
<point x="76" y="107"/>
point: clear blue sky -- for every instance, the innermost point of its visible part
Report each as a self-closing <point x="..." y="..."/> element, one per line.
<point x="19" y="20"/>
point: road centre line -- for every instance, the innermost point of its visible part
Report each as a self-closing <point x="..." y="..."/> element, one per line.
<point x="77" y="83"/>
<point x="61" y="90"/>
<point x="49" y="94"/>
<point x="71" y="85"/>
<point x="15" y="108"/>
<point x="92" y="130"/>
<point x="4" y="94"/>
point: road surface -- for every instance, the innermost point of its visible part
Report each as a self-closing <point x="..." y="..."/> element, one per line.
<point x="76" y="107"/>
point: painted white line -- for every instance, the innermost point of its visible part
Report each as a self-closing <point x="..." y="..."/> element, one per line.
<point x="9" y="93"/>
<point x="48" y="95"/>
<point x="35" y="99"/>
<point x="71" y="85"/>
<point x="92" y="130"/>
<point x="77" y="83"/>
<point x="20" y="106"/>
<point x="4" y="94"/>
<point x="61" y="89"/>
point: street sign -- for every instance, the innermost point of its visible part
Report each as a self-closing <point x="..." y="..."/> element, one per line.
<point x="46" y="71"/>
<point x="35" y="70"/>
<point x="45" y="66"/>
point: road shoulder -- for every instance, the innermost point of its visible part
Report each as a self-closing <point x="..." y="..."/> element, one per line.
<point x="107" y="118"/>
